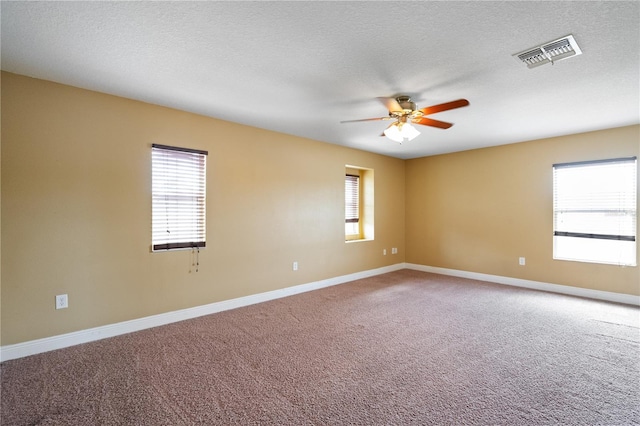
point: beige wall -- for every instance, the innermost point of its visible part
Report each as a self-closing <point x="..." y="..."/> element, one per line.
<point x="76" y="210"/>
<point x="76" y="205"/>
<point x="480" y="210"/>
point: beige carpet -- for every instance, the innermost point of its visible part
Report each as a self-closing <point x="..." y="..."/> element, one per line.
<point x="401" y="348"/>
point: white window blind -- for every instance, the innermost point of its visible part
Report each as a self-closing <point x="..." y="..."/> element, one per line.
<point x="178" y="197"/>
<point x="352" y="204"/>
<point x="594" y="211"/>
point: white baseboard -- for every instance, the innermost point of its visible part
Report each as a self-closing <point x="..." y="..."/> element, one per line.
<point x="627" y="299"/>
<point x="33" y="347"/>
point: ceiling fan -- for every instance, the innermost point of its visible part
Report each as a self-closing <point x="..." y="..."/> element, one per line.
<point x="404" y="112"/>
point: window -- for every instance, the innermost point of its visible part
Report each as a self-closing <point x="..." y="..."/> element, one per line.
<point x="178" y="197"/>
<point x="358" y="204"/>
<point x="594" y="211"/>
<point x="352" y="205"/>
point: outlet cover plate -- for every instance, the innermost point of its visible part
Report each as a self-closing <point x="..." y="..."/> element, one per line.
<point x="62" y="301"/>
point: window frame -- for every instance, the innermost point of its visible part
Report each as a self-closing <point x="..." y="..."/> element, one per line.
<point x="366" y="209"/>
<point x="178" y="186"/>
<point x="584" y="220"/>
<point x="352" y="215"/>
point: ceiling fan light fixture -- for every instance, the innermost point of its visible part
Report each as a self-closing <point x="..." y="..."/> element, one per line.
<point x="409" y="132"/>
<point x="393" y="133"/>
<point x="399" y="132"/>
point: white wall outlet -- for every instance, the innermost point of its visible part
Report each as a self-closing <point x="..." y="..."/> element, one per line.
<point x="384" y="252"/>
<point x="295" y="266"/>
<point x="394" y="250"/>
<point x="62" y="301"/>
<point x="522" y="261"/>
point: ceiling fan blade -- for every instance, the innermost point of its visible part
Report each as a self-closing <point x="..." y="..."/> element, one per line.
<point x="444" y="107"/>
<point x="365" y="119"/>
<point x="391" y="104"/>
<point x="433" y="123"/>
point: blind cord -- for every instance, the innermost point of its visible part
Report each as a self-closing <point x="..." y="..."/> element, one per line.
<point x="195" y="259"/>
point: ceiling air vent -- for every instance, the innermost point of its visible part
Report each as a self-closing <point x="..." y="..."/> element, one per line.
<point x="551" y="52"/>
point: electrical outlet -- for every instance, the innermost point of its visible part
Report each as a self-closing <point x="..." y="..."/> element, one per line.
<point x="522" y="261"/>
<point x="62" y="301"/>
<point x="295" y="266"/>
<point x="394" y="250"/>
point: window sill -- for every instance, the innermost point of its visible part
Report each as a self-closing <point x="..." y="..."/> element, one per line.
<point x="359" y="240"/>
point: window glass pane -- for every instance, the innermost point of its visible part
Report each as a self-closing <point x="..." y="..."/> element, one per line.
<point x="594" y="250"/>
<point x="351" y="228"/>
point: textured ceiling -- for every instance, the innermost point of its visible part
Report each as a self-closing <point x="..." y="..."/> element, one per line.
<point x="302" y="67"/>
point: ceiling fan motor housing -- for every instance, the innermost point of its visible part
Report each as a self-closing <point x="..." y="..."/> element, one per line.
<point x="406" y="104"/>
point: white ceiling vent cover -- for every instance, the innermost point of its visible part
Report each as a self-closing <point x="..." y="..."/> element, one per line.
<point x="549" y="53"/>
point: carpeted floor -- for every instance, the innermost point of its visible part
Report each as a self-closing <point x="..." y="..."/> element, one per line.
<point x="401" y="348"/>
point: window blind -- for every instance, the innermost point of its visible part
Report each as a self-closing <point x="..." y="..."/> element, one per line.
<point x="352" y="198"/>
<point x="594" y="211"/>
<point x="352" y="205"/>
<point x="178" y="197"/>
